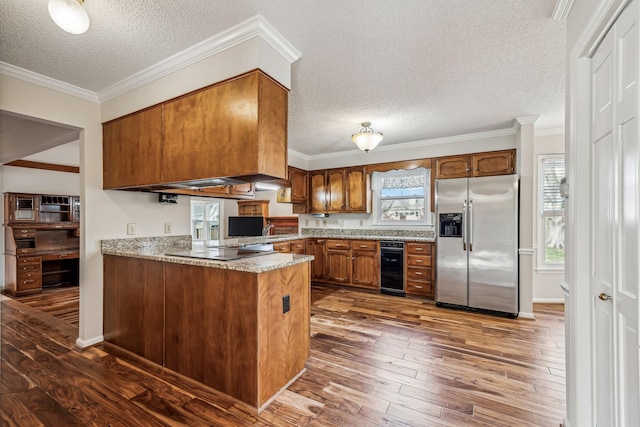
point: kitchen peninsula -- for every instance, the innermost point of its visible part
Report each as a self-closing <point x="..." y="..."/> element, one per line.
<point x="241" y="326"/>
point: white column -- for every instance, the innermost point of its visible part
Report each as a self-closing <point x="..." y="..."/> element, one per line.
<point x="525" y="166"/>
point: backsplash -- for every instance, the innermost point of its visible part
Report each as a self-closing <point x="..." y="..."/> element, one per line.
<point x="151" y="243"/>
<point x="360" y="232"/>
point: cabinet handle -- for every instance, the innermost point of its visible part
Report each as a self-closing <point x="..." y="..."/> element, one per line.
<point x="418" y="249"/>
<point x="418" y="261"/>
<point x="418" y="273"/>
<point x="363" y="246"/>
<point x="418" y="287"/>
<point x="27" y="281"/>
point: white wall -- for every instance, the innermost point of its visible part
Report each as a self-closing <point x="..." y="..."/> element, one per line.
<point x="546" y="284"/>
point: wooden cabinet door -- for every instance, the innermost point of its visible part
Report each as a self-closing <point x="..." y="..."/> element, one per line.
<point x="357" y="191"/>
<point x="316" y="248"/>
<point x="297" y="247"/>
<point x="318" y="202"/>
<point x="365" y="269"/>
<point x="339" y="266"/>
<point x="132" y="150"/>
<point x="453" y="167"/>
<point x="335" y="190"/>
<point x="497" y="163"/>
<point x="282" y="247"/>
<point x="298" y="179"/>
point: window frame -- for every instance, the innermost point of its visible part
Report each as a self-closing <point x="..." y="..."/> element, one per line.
<point x="206" y="203"/>
<point x="377" y="200"/>
<point x="542" y="215"/>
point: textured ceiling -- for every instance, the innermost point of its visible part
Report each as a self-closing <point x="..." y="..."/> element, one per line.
<point x="417" y="69"/>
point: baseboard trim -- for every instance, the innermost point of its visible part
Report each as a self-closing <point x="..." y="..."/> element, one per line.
<point x="549" y="300"/>
<point x="88" y="343"/>
<point x="523" y="315"/>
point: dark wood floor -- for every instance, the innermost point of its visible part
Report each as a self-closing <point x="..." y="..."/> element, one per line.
<point x="375" y="360"/>
<point x="63" y="303"/>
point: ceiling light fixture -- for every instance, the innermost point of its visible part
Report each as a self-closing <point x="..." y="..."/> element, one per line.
<point x="366" y="139"/>
<point x="69" y="15"/>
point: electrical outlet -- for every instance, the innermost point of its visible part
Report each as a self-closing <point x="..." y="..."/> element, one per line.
<point x="317" y="222"/>
<point x="361" y="223"/>
<point x="324" y="222"/>
<point x="167" y="228"/>
<point x="286" y="304"/>
<point x="306" y="222"/>
<point x="131" y="228"/>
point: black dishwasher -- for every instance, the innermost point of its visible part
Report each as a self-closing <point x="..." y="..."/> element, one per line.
<point x="392" y="268"/>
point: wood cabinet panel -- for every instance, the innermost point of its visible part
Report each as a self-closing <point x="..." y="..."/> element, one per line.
<point x="453" y="167"/>
<point x="489" y="164"/>
<point x="132" y="149"/>
<point x="318" y="202"/>
<point x="134" y="305"/>
<point x="335" y="191"/>
<point x="239" y="124"/>
<point x="365" y="268"/>
<point x="254" y="208"/>
<point x="339" y="265"/>
<point x="317" y="248"/>
<point x="283" y="338"/>
<point x="357" y="190"/>
<point x="202" y="327"/>
<point x="476" y="164"/>
<point x="298" y="180"/>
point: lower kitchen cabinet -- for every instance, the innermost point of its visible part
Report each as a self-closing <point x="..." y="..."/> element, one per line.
<point x="419" y="269"/>
<point x="292" y="246"/>
<point x="317" y="248"/>
<point x="353" y="262"/>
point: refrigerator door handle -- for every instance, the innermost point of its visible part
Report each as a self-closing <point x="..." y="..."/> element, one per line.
<point x="464" y="225"/>
<point x="470" y="225"/>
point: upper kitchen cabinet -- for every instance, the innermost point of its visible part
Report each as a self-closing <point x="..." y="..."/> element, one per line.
<point x="232" y="129"/>
<point x="298" y="180"/>
<point x="339" y="191"/>
<point x="478" y="164"/>
<point x="132" y="149"/>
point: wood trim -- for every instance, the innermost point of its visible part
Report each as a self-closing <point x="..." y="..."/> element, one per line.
<point x="43" y="166"/>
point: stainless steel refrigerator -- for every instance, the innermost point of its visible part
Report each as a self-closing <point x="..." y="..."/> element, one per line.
<point x="477" y="243"/>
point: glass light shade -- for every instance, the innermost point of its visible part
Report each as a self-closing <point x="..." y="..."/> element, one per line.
<point x="366" y="140"/>
<point x="69" y="15"/>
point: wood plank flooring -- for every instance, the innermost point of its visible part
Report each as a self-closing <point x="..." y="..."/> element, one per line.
<point x="376" y="360"/>
<point x="63" y="303"/>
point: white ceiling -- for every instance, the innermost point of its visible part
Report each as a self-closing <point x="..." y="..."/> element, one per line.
<point x="417" y="69"/>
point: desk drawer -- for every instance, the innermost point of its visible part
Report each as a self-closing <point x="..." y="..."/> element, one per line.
<point x="24" y="260"/>
<point x="29" y="283"/>
<point x="24" y="233"/>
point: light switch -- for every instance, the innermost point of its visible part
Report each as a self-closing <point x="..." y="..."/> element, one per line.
<point x="167" y="228"/>
<point x="131" y="228"/>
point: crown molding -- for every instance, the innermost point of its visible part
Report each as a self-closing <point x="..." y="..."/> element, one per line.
<point x="48" y="82"/>
<point x="421" y="144"/>
<point x="527" y="120"/>
<point x="562" y="10"/>
<point x="255" y="26"/>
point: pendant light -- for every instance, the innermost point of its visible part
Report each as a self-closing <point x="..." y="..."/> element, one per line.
<point x="69" y="15"/>
<point x="366" y="139"/>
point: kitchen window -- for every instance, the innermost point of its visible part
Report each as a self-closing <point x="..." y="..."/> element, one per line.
<point x="205" y="220"/>
<point x="401" y="197"/>
<point x="551" y="219"/>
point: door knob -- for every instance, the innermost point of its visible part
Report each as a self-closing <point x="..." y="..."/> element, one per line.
<point x="604" y="297"/>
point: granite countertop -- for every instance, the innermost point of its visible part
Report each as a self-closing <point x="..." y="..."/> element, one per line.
<point x="339" y="233"/>
<point x="156" y="248"/>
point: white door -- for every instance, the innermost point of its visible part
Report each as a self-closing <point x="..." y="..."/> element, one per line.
<point x="614" y="216"/>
